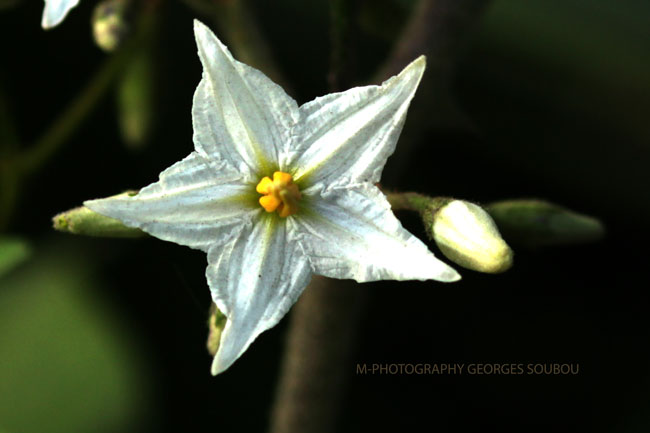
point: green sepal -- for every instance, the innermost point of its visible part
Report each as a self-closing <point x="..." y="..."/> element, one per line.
<point x="216" y="323"/>
<point x="83" y="221"/>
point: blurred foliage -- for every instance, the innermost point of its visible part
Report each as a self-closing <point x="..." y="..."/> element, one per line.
<point x="135" y="91"/>
<point x="559" y="95"/>
<point x="6" y="4"/>
<point x="536" y="223"/>
<point x="66" y="364"/>
<point x="13" y="251"/>
<point x="559" y="98"/>
<point x="600" y="47"/>
<point x="135" y="100"/>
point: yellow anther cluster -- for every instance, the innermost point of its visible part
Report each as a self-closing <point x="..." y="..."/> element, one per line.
<point x="279" y="194"/>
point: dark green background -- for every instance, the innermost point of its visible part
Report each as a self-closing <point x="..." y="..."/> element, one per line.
<point x="552" y="101"/>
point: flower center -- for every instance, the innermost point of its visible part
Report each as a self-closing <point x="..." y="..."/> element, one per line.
<point x="279" y="194"/>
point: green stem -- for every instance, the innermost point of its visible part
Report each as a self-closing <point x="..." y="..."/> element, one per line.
<point x="416" y="202"/>
<point x="425" y="205"/>
<point x="65" y="125"/>
<point x="412" y="201"/>
<point x="9" y="143"/>
<point x="8" y="134"/>
<point x="9" y="188"/>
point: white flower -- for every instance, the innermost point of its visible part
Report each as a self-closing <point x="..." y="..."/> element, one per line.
<point x="55" y="11"/>
<point x="320" y="214"/>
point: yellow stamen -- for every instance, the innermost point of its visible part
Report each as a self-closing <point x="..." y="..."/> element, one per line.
<point x="279" y="194"/>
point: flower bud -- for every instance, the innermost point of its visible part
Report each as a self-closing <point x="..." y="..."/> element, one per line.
<point x="109" y="23"/>
<point x="83" y="221"/>
<point x="468" y="236"/>
<point x="216" y="323"/>
<point x="535" y="223"/>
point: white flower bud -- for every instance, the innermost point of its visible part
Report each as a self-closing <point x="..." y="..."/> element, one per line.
<point x="467" y="235"/>
<point x="109" y="23"/>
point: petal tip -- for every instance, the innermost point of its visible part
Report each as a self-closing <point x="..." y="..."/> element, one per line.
<point x="445" y="274"/>
<point x="221" y="362"/>
<point x="202" y="33"/>
<point x="452" y="277"/>
<point x="216" y="368"/>
<point x="198" y="26"/>
<point x="417" y="66"/>
<point x="47" y="22"/>
<point x="421" y="61"/>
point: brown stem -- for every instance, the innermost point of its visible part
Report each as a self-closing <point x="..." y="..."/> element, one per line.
<point x="437" y="29"/>
<point x="66" y="124"/>
<point x="342" y="44"/>
<point x="317" y="358"/>
<point x="324" y="321"/>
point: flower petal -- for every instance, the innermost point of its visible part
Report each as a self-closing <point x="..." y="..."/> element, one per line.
<point x="350" y="232"/>
<point x="239" y="114"/>
<point x="55" y="11"/>
<point x="254" y="281"/>
<point x="196" y="203"/>
<point x="351" y="134"/>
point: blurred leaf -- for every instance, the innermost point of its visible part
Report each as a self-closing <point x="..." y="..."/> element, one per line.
<point x="64" y="365"/>
<point x="136" y="96"/>
<point x="13" y="251"/>
<point x="8" y="133"/>
<point x="535" y="223"/>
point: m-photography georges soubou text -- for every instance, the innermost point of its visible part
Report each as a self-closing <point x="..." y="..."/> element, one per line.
<point x="473" y="369"/>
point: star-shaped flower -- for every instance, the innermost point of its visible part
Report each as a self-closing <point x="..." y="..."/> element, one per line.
<point x="274" y="192"/>
<point x="55" y="11"/>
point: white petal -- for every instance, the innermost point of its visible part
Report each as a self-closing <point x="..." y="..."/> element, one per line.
<point x="350" y="232"/>
<point x="351" y="134"/>
<point x="55" y="11"/>
<point x="239" y="114"/>
<point x="254" y="280"/>
<point x="196" y="202"/>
